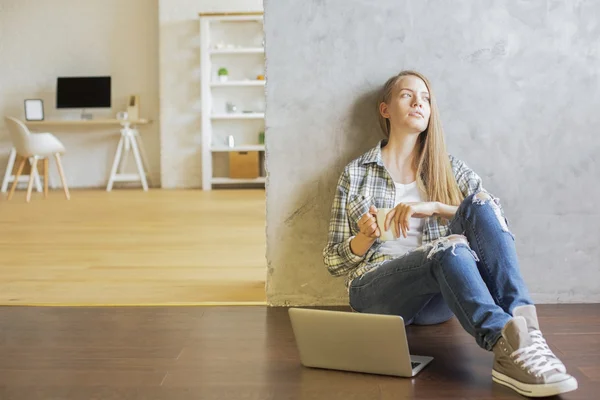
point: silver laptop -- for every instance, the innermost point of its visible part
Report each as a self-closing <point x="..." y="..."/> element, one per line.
<point x="356" y="342"/>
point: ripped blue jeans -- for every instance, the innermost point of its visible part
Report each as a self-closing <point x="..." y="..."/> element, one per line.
<point x="472" y="273"/>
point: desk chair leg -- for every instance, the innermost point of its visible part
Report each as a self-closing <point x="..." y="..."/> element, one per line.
<point x="62" y="175"/>
<point x="138" y="162"/>
<point x="46" y="177"/>
<point x="9" y="169"/>
<point x="31" y="178"/>
<point x="16" y="181"/>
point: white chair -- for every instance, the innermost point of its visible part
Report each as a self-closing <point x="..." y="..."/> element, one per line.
<point x="35" y="146"/>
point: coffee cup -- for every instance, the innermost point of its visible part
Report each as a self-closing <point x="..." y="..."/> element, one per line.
<point x="385" y="235"/>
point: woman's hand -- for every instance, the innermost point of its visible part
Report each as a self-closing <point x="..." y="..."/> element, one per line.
<point x="368" y="224"/>
<point x="399" y="217"/>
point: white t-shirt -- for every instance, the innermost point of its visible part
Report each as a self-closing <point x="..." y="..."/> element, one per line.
<point x="406" y="193"/>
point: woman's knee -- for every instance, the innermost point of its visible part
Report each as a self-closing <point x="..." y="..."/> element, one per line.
<point x="452" y="246"/>
<point x="482" y="201"/>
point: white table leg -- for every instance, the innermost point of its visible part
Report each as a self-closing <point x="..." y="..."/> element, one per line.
<point x="138" y="162"/>
<point x="127" y="149"/>
<point x="141" y="147"/>
<point x="113" y="170"/>
<point x="128" y="143"/>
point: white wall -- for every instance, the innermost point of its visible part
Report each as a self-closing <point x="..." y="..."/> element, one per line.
<point x="181" y="141"/>
<point x="40" y="40"/>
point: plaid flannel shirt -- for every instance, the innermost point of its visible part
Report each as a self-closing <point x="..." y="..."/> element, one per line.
<point x="365" y="182"/>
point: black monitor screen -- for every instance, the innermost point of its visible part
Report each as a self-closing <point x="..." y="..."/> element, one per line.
<point x="83" y="92"/>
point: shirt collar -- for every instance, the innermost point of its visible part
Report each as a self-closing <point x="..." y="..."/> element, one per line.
<point x="374" y="155"/>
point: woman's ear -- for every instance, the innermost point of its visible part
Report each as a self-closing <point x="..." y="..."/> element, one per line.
<point x="383" y="110"/>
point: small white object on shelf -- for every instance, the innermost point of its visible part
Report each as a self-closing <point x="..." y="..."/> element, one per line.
<point x="231" y="108"/>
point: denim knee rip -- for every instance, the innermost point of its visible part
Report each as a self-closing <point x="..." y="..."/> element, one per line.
<point x="450" y="241"/>
<point x="483" y="197"/>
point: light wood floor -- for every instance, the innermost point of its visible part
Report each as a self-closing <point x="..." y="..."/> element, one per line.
<point x="130" y="247"/>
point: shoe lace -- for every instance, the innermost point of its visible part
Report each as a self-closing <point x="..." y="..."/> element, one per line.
<point x="532" y="359"/>
<point x="544" y="349"/>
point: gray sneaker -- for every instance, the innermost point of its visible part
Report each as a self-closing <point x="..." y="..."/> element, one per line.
<point x="520" y="365"/>
<point x="529" y="313"/>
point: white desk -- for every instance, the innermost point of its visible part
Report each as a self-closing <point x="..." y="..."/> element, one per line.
<point x="130" y="141"/>
<point x="84" y="122"/>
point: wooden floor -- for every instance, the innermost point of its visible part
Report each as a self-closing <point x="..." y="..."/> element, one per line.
<point x="177" y="353"/>
<point x="130" y="247"/>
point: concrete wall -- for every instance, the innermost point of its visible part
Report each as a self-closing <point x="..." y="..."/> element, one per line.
<point x="41" y="40"/>
<point x="518" y="87"/>
<point x="180" y="104"/>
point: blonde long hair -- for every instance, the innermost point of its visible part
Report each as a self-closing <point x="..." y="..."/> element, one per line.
<point x="434" y="171"/>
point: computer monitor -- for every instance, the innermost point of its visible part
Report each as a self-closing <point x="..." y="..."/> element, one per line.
<point x="83" y="92"/>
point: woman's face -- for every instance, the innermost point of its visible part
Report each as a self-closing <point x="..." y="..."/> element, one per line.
<point x="409" y="106"/>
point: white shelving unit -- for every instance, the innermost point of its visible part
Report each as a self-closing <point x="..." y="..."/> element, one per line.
<point x="238" y="83"/>
<point x="231" y="181"/>
<point x="256" y="147"/>
<point x="233" y="41"/>
<point x="238" y="116"/>
<point x="248" y="50"/>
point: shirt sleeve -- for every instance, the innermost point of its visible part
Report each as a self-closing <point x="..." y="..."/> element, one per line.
<point x="468" y="180"/>
<point x="337" y="255"/>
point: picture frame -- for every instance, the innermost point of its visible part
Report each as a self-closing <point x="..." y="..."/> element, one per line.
<point x="34" y="110"/>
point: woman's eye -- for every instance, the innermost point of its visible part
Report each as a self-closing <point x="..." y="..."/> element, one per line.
<point x="426" y="98"/>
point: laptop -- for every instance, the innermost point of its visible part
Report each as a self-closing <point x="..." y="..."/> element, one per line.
<point x="357" y="342"/>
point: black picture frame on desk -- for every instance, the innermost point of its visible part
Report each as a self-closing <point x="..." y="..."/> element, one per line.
<point x="34" y="110"/>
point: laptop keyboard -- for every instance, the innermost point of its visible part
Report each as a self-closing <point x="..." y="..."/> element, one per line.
<point x="414" y="364"/>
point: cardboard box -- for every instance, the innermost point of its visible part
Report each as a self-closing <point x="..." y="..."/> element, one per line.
<point x="244" y="164"/>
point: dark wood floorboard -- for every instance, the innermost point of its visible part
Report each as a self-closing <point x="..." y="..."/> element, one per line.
<point x="248" y="353"/>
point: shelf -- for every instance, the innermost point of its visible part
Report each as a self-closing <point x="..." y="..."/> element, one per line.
<point x="239" y="116"/>
<point x="233" y="16"/>
<point x="239" y="83"/>
<point x="244" y="50"/>
<point x="252" y="147"/>
<point x="232" y="181"/>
